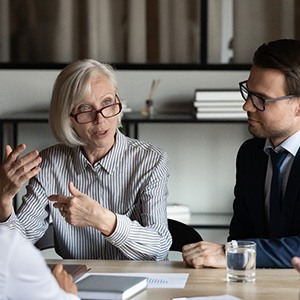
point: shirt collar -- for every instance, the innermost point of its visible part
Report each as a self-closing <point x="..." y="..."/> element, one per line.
<point x="291" y="144"/>
<point x="109" y="162"/>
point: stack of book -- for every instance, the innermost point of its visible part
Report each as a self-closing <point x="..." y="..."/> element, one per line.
<point x="219" y="105"/>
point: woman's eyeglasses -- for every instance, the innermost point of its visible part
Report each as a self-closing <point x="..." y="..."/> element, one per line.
<point x="108" y="111"/>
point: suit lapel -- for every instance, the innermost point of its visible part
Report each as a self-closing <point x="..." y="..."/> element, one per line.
<point x="290" y="197"/>
<point x="258" y="167"/>
<point x="259" y="209"/>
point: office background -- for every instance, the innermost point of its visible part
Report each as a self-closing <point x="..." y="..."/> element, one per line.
<point x="202" y="155"/>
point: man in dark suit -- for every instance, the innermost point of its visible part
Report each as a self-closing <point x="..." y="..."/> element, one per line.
<point x="265" y="212"/>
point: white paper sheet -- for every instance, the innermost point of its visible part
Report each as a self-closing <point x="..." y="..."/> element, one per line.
<point x="222" y="297"/>
<point x="155" y="280"/>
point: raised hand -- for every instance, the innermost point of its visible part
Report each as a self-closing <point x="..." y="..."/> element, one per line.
<point x="14" y="172"/>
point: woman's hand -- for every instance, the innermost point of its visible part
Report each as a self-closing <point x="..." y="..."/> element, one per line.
<point x="14" y="172"/>
<point x="81" y="210"/>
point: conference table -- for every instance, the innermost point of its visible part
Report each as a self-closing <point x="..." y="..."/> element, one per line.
<point x="269" y="284"/>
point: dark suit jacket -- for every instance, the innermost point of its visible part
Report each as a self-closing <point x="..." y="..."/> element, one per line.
<point x="249" y="219"/>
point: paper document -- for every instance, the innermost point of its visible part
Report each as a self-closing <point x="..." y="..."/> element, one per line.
<point x="222" y="297"/>
<point x="155" y="280"/>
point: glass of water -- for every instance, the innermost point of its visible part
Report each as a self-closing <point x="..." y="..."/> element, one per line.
<point x="241" y="261"/>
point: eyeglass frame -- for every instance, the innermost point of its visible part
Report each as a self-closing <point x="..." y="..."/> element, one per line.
<point x="99" y="111"/>
<point x="263" y="101"/>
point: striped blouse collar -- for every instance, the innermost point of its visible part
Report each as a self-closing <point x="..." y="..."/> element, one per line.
<point x="109" y="162"/>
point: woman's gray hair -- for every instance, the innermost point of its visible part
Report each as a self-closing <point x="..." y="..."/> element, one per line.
<point x="71" y="86"/>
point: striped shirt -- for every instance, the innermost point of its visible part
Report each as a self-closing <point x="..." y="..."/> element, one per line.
<point x="131" y="181"/>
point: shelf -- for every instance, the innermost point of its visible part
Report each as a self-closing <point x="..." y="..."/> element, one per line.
<point x="133" y="119"/>
<point x="38" y="116"/>
<point x="130" y="117"/>
<point x="137" y="117"/>
<point x="210" y="220"/>
<point x="130" y="123"/>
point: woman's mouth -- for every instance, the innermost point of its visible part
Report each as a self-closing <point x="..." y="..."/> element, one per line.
<point x="100" y="133"/>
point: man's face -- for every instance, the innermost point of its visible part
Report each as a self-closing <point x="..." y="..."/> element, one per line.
<point x="280" y="119"/>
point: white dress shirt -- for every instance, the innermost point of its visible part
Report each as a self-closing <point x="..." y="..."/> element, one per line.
<point x="24" y="274"/>
<point x="291" y="145"/>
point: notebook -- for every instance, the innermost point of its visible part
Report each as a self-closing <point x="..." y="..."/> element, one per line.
<point x="76" y="270"/>
<point x="110" y="286"/>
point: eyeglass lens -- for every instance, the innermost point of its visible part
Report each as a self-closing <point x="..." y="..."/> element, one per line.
<point x="106" y="112"/>
<point x="256" y="101"/>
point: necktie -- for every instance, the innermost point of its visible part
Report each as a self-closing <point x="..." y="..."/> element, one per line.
<point x="276" y="193"/>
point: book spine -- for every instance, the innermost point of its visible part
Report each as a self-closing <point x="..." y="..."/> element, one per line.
<point x="218" y="95"/>
<point x="218" y="103"/>
<point x="221" y="115"/>
<point x="220" y="109"/>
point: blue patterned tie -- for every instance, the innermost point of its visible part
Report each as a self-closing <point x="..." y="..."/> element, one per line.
<point x="276" y="192"/>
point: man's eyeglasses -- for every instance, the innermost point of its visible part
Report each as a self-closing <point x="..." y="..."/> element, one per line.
<point x="257" y="101"/>
<point x="108" y="111"/>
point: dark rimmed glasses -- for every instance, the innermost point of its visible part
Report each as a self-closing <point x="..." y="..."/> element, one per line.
<point x="257" y="101"/>
<point x="108" y="111"/>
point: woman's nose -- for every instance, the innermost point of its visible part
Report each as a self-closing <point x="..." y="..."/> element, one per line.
<point x="99" y="118"/>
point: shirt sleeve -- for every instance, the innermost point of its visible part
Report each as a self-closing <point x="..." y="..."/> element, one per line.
<point x="13" y="223"/>
<point x="150" y="242"/>
<point x="28" y="275"/>
<point x="276" y="253"/>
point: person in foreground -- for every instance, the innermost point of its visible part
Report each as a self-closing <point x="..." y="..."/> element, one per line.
<point x="272" y="95"/>
<point x="25" y="275"/>
<point x="23" y="271"/>
<point x="106" y="193"/>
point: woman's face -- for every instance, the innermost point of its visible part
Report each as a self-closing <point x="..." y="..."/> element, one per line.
<point x="98" y="135"/>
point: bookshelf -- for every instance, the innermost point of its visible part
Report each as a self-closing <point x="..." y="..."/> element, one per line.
<point x="10" y="126"/>
<point x="130" y="121"/>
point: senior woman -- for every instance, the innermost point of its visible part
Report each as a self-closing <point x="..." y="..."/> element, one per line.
<point x="105" y="193"/>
